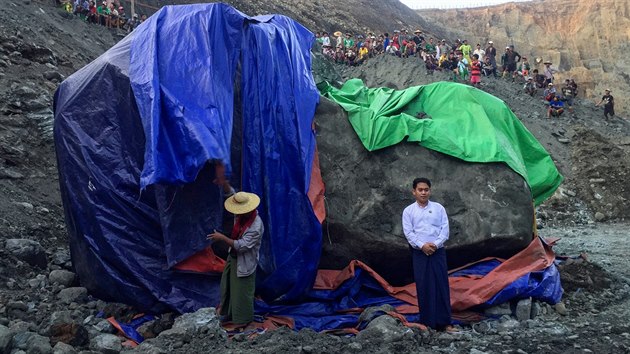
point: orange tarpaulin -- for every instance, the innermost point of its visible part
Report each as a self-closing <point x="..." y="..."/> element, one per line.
<point x="466" y="291"/>
<point x="316" y="189"/>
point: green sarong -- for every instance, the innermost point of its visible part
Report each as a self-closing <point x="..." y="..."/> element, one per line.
<point x="237" y="294"/>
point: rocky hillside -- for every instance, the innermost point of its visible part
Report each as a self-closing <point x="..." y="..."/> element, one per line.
<point x="586" y="40"/>
<point x="328" y="15"/>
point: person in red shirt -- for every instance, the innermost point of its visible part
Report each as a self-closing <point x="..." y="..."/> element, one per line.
<point x="92" y="15"/>
<point x="475" y="71"/>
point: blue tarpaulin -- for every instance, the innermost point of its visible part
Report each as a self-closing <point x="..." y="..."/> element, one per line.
<point x="328" y="309"/>
<point x="136" y="133"/>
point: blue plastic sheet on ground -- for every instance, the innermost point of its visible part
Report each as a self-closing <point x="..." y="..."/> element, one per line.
<point x="542" y="285"/>
<point x="326" y="309"/>
<point x="136" y="133"/>
<point x="130" y="330"/>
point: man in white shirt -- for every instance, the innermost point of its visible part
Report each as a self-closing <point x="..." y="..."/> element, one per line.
<point x="480" y="52"/>
<point x="325" y="40"/>
<point x="425" y="225"/>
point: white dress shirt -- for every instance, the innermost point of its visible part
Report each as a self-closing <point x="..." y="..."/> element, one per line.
<point x="425" y="224"/>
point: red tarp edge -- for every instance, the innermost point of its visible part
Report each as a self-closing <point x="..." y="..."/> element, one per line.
<point x="467" y="291"/>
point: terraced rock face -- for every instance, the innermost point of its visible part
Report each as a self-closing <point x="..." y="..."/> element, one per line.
<point x="585" y="40"/>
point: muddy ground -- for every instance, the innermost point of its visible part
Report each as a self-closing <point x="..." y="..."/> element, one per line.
<point x="40" y="46"/>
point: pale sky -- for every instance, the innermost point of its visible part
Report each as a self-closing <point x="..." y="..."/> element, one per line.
<point x="449" y="4"/>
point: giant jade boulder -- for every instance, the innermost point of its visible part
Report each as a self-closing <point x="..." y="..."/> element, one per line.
<point x="489" y="206"/>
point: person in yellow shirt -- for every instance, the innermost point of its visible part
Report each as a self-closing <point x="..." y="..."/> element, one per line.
<point x="67" y="6"/>
<point x="442" y="59"/>
<point x="466" y="50"/>
<point x="363" y="53"/>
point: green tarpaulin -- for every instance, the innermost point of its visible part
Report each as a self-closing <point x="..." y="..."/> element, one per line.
<point x="454" y="119"/>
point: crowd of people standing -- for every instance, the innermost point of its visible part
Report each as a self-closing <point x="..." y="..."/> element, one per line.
<point x="460" y="61"/>
<point x="110" y="14"/>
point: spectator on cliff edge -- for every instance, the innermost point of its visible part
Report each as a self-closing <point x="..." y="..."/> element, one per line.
<point x="491" y="52"/>
<point x="475" y="71"/>
<point x="539" y="79"/>
<point x="512" y="58"/>
<point x="568" y="94"/>
<point x="429" y="49"/>
<point x="92" y="15"/>
<point x="348" y="42"/>
<point x="452" y="61"/>
<point x="487" y="67"/>
<point x="523" y="69"/>
<point x="550" y="92"/>
<point x="133" y="22"/>
<point x="338" y="39"/>
<point x="466" y="50"/>
<point x="556" y="108"/>
<point x="548" y="72"/>
<point x="609" y="104"/>
<point x="410" y="49"/>
<point x="530" y="87"/>
<point x="444" y="49"/>
<point x="101" y="13"/>
<point x="455" y="47"/>
<point x="325" y="39"/>
<point x="480" y="52"/>
<point x="418" y="39"/>
<point x="462" y="68"/>
<point x="575" y="87"/>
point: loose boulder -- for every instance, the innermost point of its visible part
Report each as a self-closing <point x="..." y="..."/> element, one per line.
<point x="489" y="205"/>
<point x="5" y="339"/>
<point x="63" y="348"/>
<point x="28" y="251"/>
<point x="77" y="294"/>
<point x="62" y="277"/>
<point x="106" y="343"/>
<point x="37" y="344"/>
<point x="69" y="333"/>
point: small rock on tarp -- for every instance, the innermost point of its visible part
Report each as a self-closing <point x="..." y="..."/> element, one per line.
<point x="384" y="328"/>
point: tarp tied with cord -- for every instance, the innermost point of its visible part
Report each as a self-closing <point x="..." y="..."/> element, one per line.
<point x="454" y="119"/>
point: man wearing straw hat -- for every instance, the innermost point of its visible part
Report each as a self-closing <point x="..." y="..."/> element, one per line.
<point x="339" y="40"/>
<point x="238" y="281"/>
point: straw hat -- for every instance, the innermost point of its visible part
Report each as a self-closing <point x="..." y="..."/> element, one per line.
<point x="337" y="34"/>
<point x="242" y="203"/>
